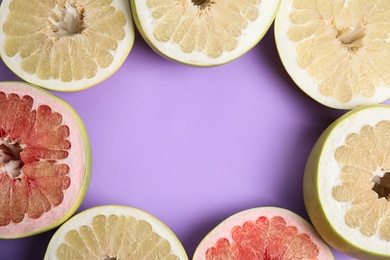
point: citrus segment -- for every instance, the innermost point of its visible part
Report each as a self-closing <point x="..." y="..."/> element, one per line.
<point x="114" y="232"/>
<point x="203" y="32"/>
<point x="346" y="184"/>
<point x="65" y="45"/>
<point x="44" y="168"/>
<point x="337" y="52"/>
<point x="263" y="233"/>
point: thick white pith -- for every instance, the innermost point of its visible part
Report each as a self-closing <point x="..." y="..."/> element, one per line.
<point x="77" y="160"/>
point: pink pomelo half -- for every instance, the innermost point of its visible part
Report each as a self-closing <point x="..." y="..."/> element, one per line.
<point x="45" y="160"/>
<point x="263" y="233"/>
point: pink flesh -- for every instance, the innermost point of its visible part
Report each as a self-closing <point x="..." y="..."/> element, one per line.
<point x="43" y="178"/>
<point x="264" y="239"/>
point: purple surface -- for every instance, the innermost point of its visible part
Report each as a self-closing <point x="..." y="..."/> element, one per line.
<point x="193" y="146"/>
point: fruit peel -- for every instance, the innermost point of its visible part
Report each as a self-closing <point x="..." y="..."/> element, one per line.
<point x="312" y="198"/>
<point x="119" y="55"/>
<point x="173" y="53"/>
<point x="26" y="88"/>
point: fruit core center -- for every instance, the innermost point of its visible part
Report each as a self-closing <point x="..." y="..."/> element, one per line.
<point x="109" y="258"/>
<point x="70" y="21"/>
<point x="382" y="186"/>
<point x="201" y="3"/>
<point x="10" y="162"/>
<point x="352" y="38"/>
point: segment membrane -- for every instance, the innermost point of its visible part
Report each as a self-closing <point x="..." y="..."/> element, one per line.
<point x="365" y="157"/>
<point x="37" y="140"/>
<point x="264" y="238"/>
<point x="115" y="237"/>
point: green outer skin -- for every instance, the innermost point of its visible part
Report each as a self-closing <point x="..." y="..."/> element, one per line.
<point x="88" y="162"/>
<point x="312" y="200"/>
<point x="137" y="22"/>
<point x="102" y="207"/>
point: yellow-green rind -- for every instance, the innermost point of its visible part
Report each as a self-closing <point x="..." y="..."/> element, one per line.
<point x="141" y="30"/>
<point x="88" y="160"/>
<point x="312" y="199"/>
<point x="102" y="210"/>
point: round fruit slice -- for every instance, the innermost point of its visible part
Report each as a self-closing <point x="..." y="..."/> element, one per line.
<point x="203" y="32"/>
<point x="347" y="183"/>
<point x="263" y="233"/>
<point x="338" y="52"/>
<point x="65" y="45"/>
<point x="45" y="160"/>
<point x="114" y="232"/>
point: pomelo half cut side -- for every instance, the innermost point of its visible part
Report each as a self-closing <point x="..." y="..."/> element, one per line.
<point x="346" y="183"/>
<point x="337" y="52"/>
<point x="263" y="233"/>
<point x="203" y="32"/>
<point x="45" y="160"/>
<point x="65" y="45"/>
<point x="114" y="232"/>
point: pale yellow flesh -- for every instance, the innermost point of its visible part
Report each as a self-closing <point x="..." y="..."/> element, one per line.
<point x="65" y="40"/>
<point x="211" y="26"/>
<point x="364" y="161"/>
<point x="115" y="237"/>
<point x="344" y="45"/>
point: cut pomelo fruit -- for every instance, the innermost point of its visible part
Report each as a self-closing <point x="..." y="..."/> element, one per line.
<point x="114" y="232"/>
<point x="337" y="52"/>
<point x="45" y="160"/>
<point x="263" y="233"/>
<point x="346" y="183"/>
<point x="65" y="45"/>
<point x="203" y="32"/>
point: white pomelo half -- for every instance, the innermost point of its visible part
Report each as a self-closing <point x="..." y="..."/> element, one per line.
<point x="346" y="186"/>
<point x="114" y="232"/>
<point x="263" y="233"/>
<point x="65" y="45"/>
<point x="45" y="162"/>
<point x="203" y="32"/>
<point x="337" y="52"/>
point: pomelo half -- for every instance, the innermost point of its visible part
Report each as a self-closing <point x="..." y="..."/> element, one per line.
<point x="65" y="45"/>
<point x="45" y="160"/>
<point x="114" y="232"/>
<point x="346" y="183"/>
<point x="337" y="52"/>
<point x="263" y="233"/>
<point x="203" y="32"/>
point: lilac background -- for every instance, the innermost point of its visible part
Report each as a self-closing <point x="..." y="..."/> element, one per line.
<point x="193" y="146"/>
